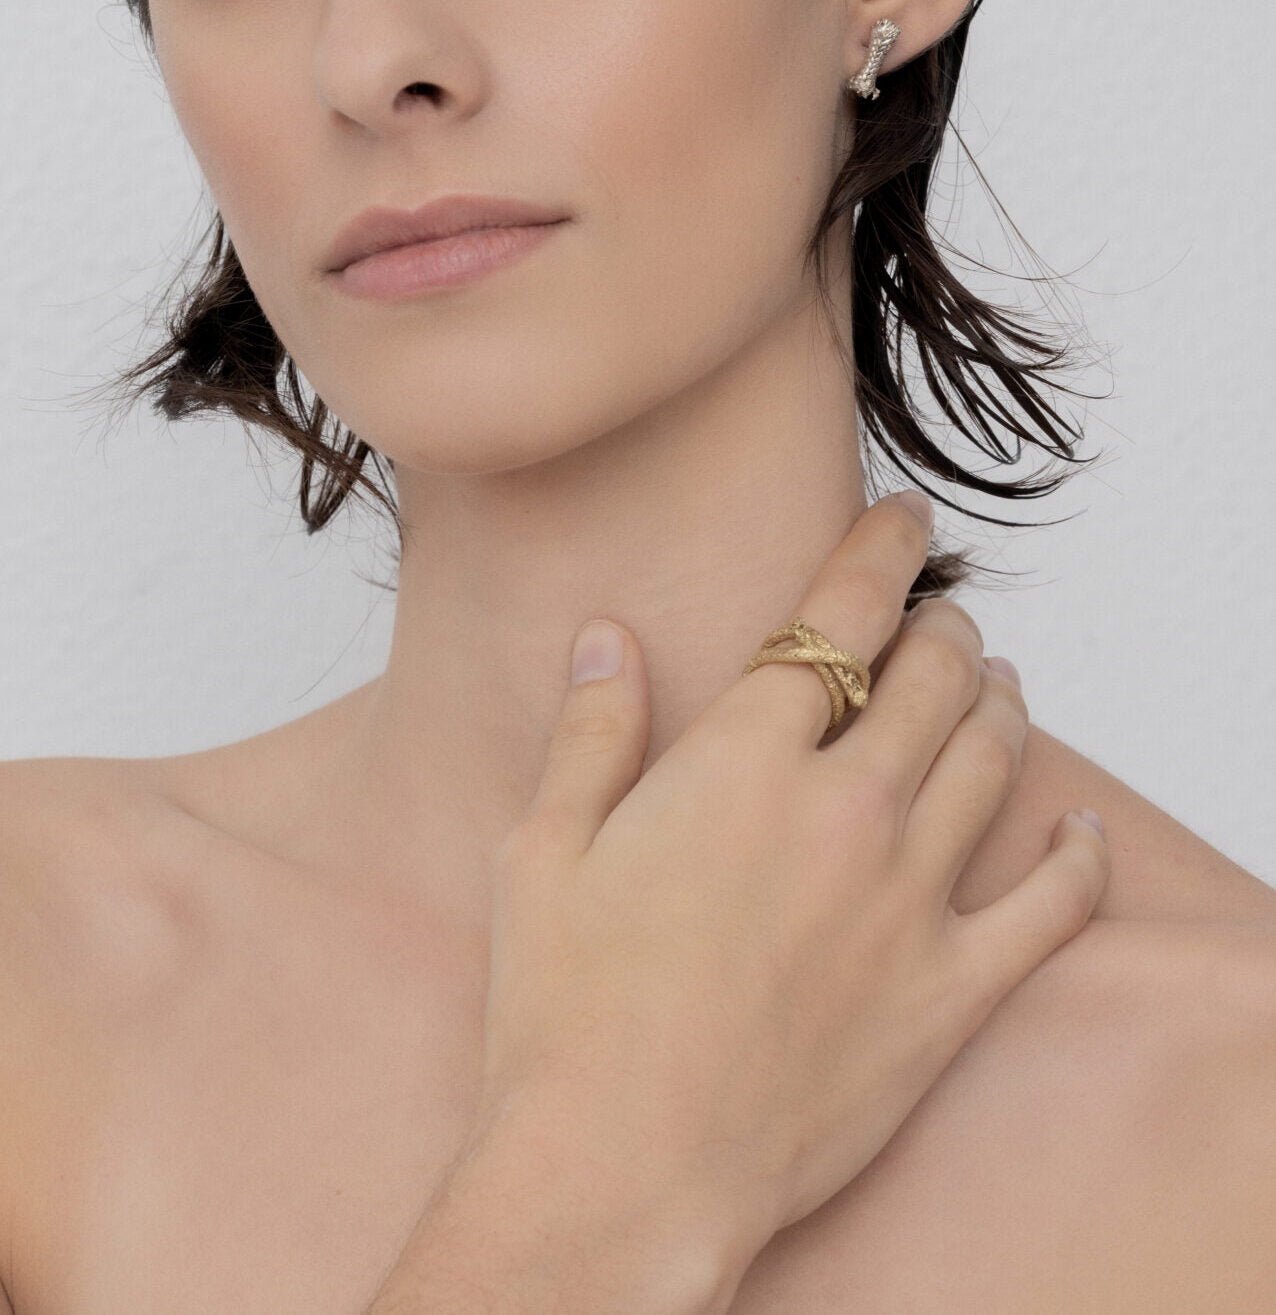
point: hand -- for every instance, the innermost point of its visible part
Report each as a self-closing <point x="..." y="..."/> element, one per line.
<point x="729" y="981"/>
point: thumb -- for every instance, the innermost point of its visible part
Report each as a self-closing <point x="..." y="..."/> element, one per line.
<point x="598" y="746"/>
<point x="1013" y="935"/>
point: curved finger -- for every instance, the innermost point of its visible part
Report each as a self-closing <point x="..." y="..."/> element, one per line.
<point x="968" y="783"/>
<point x="1004" y="942"/>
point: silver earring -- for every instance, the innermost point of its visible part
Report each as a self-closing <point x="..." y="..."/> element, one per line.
<point x="864" y="83"/>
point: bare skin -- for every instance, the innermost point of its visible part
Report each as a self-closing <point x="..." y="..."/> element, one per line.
<point x="243" y="987"/>
<point x="262" y="1069"/>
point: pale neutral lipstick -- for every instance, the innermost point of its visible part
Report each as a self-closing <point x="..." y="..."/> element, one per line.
<point x="444" y="262"/>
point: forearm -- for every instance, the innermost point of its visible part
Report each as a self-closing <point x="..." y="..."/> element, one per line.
<point x="519" y="1229"/>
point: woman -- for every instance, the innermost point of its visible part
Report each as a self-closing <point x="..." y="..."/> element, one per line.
<point x="247" y="1064"/>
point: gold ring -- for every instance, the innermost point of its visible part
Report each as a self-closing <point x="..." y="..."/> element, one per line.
<point x="844" y="675"/>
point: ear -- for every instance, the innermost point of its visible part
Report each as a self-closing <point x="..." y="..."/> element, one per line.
<point x="922" y="23"/>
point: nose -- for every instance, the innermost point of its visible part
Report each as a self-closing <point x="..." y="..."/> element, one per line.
<point x="383" y="65"/>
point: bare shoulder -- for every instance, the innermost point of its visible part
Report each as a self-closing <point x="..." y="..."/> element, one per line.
<point x="42" y="952"/>
<point x="81" y="841"/>
<point x="89" y="928"/>
<point x="1161" y="870"/>
<point x="90" y="910"/>
<point x="84" y="903"/>
<point x="1103" y="1143"/>
<point x="1142" y="1120"/>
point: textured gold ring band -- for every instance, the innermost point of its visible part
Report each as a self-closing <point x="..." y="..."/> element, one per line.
<point x="844" y="675"/>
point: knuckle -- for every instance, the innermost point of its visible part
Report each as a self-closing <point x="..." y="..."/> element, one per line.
<point x="915" y="617"/>
<point x="1009" y="694"/>
<point x="1017" y="726"/>
<point x="991" y="755"/>
<point x="585" y="734"/>
<point x="963" y="618"/>
<point x="952" y="616"/>
<point x="948" y="662"/>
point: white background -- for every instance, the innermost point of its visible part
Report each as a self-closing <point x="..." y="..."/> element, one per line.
<point x="161" y="595"/>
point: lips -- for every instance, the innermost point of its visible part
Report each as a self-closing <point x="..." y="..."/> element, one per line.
<point x="381" y="228"/>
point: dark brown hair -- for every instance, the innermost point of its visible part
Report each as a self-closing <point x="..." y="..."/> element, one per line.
<point x="221" y="353"/>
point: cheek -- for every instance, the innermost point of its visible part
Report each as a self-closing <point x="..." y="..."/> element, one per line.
<point x="714" y="148"/>
<point x="244" y="122"/>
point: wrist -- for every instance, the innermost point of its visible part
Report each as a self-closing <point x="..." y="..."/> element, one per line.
<point x="523" y="1225"/>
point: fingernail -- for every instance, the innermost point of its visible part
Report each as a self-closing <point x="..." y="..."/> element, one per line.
<point x="920" y="505"/>
<point x="1007" y="669"/>
<point x="597" y="652"/>
<point x="1091" y="819"/>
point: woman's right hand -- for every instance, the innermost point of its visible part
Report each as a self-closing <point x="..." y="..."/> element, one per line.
<point x="729" y="981"/>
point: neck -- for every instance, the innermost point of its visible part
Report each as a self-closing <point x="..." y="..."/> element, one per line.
<point x="698" y="526"/>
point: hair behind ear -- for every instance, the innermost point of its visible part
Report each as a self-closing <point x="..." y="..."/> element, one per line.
<point x="902" y="287"/>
